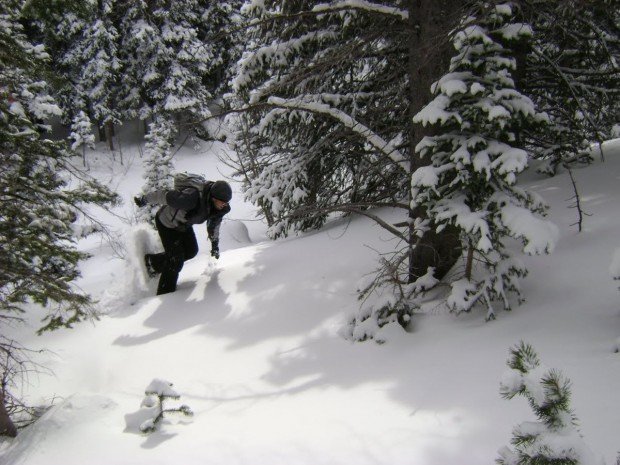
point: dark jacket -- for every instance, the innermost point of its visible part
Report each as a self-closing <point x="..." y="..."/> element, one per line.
<point x="183" y="208"/>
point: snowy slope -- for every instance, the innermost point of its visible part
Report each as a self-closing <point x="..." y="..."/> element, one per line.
<point x="251" y="343"/>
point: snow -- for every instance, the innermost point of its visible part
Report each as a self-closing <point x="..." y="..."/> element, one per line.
<point x="362" y="5"/>
<point x="371" y="137"/>
<point x="435" y="112"/>
<point x="252" y="344"/>
<point x="614" y="268"/>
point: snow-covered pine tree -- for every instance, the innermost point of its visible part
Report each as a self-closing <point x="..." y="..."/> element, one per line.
<point x="82" y="135"/>
<point x="328" y="121"/>
<point x="38" y="208"/>
<point x="158" y="166"/>
<point x="92" y="65"/>
<point x="572" y="73"/>
<point x="554" y="438"/>
<point x="156" y="393"/>
<point x="218" y="29"/>
<point x="164" y="60"/>
<point x="476" y="157"/>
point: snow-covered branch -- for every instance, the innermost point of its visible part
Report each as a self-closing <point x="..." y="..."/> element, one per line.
<point x="361" y="5"/>
<point x="359" y="209"/>
<point x="370" y="136"/>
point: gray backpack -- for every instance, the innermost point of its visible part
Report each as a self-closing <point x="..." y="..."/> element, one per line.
<point x="183" y="180"/>
<point x="196" y="181"/>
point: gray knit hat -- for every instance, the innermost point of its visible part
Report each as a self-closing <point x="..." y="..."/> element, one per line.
<point x="221" y="190"/>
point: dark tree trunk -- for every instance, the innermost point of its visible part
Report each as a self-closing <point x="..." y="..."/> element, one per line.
<point x="7" y="428"/>
<point x="430" y="22"/>
<point x="101" y="131"/>
<point x="109" y="134"/>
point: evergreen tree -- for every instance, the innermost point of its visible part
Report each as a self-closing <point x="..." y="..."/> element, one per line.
<point x="554" y="438"/>
<point x="157" y="163"/>
<point x="326" y="127"/>
<point x="329" y="91"/>
<point x="476" y="156"/>
<point x="95" y="55"/>
<point x="164" y="60"/>
<point x="38" y="208"/>
<point x="82" y="135"/>
<point x="572" y="73"/>
<point x="219" y="31"/>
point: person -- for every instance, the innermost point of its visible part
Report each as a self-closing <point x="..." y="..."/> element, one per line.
<point x="181" y="209"/>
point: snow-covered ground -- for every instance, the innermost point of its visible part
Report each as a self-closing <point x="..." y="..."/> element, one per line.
<point x="251" y="343"/>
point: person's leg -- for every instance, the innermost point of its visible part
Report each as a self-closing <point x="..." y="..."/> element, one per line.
<point x="157" y="261"/>
<point x="169" y="262"/>
<point x="172" y="265"/>
<point x="190" y="244"/>
<point x="182" y="246"/>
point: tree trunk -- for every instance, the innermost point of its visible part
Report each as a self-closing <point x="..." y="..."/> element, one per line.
<point x="7" y="428"/>
<point x="101" y="132"/>
<point x="430" y="22"/>
<point x="109" y="134"/>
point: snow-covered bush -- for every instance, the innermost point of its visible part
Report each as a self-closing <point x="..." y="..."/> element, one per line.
<point x="156" y="393"/>
<point x="554" y="438"/>
<point x="476" y="156"/>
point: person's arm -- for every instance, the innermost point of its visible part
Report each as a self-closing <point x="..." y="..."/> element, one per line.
<point x="213" y="231"/>
<point x="180" y="200"/>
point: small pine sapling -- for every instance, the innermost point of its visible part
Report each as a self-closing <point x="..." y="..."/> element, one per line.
<point x="156" y="393"/>
<point x="554" y="438"/>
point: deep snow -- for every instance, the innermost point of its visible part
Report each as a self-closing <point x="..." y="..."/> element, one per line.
<point x="252" y="344"/>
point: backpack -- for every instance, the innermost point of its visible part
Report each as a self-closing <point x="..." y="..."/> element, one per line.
<point x="184" y="180"/>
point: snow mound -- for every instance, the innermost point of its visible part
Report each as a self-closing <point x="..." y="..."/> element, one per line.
<point x="237" y="232"/>
<point x="60" y="426"/>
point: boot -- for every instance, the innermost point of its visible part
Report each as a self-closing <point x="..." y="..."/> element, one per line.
<point x="150" y="269"/>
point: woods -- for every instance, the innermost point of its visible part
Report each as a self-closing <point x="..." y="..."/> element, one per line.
<point x="430" y="107"/>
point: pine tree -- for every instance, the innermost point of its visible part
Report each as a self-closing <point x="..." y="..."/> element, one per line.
<point x="164" y="60"/>
<point x="82" y="135"/>
<point x="38" y="207"/>
<point x="554" y="438"/>
<point x="100" y="68"/>
<point x="84" y="46"/>
<point x="476" y="157"/>
<point x="158" y="164"/>
<point x="572" y="72"/>
<point x="311" y="77"/>
<point x="219" y="31"/>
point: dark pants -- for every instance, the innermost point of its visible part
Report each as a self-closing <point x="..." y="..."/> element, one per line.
<point x="179" y="246"/>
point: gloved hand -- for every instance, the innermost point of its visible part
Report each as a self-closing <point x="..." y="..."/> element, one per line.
<point x="215" y="249"/>
<point x="140" y="200"/>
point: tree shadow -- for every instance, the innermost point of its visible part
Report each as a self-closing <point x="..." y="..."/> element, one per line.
<point x="177" y="312"/>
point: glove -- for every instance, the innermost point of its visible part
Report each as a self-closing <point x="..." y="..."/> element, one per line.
<point x="215" y="249"/>
<point x="140" y="201"/>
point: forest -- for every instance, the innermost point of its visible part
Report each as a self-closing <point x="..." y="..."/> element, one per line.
<point x="332" y="110"/>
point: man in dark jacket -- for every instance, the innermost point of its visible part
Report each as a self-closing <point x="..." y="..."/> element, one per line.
<point x="180" y="210"/>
